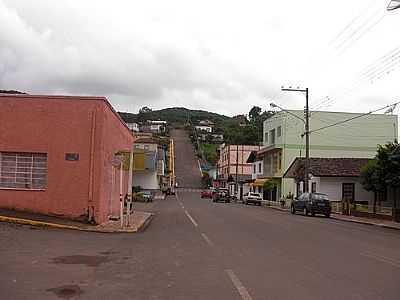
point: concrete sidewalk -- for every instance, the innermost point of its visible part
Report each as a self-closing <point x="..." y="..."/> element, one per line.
<point x="368" y="221"/>
<point x="138" y="221"/>
<point x="359" y="220"/>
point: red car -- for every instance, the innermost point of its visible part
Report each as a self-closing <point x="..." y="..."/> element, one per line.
<point x="206" y="194"/>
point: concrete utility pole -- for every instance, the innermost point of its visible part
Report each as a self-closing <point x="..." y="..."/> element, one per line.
<point x="306" y="133"/>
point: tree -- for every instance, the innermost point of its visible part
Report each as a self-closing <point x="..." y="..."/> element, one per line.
<point x="144" y="110"/>
<point x="371" y="181"/>
<point x="254" y="113"/>
<point x="384" y="171"/>
<point x="269" y="185"/>
<point x="206" y="179"/>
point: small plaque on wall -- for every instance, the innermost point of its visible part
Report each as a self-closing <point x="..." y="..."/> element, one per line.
<point x="71" y="156"/>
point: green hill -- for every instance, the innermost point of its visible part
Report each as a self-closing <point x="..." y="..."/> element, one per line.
<point x="174" y="115"/>
<point x="236" y="130"/>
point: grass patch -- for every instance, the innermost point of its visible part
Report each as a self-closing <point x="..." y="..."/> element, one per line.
<point x="210" y="152"/>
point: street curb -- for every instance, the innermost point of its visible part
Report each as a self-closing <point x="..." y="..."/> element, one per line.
<point x="69" y="227"/>
<point x="346" y="220"/>
<point x="145" y="224"/>
<point x="36" y="223"/>
<point x="277" y="208"/>
<point x="365" y="223"/>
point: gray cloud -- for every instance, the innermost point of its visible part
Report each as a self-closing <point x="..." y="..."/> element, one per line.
<point x="72" y="56"/>
<point x="203" y="56"/>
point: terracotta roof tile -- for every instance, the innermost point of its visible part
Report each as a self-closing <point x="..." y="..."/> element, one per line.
<point x="328" y="167"/>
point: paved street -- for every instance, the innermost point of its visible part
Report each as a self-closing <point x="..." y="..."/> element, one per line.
<point x="186" y="165"/>
<point x="196" y="249"/>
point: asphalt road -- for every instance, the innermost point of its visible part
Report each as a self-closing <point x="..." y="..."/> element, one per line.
<point x="196" y="249"/>
<point x="187" y="168"/>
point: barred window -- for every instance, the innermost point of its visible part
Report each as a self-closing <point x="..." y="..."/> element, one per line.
<point x="19" y="170"/>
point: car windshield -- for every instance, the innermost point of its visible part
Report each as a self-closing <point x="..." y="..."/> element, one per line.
<point x="254" y="194"/>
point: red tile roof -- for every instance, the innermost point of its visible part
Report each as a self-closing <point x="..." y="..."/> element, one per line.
<point x="328" y="167"/>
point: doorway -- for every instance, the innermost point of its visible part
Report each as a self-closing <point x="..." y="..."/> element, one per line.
<point x="348" y="196"/>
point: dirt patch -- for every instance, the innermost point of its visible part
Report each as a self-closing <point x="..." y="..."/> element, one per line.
<point x="67" y="291"/>
<point x="88" y="260"/>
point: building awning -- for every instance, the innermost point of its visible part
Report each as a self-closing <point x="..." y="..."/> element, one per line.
<point x="259" y="182"/>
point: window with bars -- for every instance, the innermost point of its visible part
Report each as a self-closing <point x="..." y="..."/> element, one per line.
<point x="19" y="170"/>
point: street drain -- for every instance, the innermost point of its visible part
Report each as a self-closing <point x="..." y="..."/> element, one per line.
<point x="67" y="291"/>
<point x="90" y="261"/>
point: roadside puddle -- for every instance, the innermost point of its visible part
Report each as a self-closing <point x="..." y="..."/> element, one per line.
<point x="67" y="291"/>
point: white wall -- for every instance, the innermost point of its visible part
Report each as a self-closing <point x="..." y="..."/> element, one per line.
<point x="205" y="128"/>
<point x="256" y="174"/>
<point x="332" y="186"/>
<point x="146" y="179"/>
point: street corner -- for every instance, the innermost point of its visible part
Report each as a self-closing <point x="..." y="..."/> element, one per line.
<point x="138" y="222"/>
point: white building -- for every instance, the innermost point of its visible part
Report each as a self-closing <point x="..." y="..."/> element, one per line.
<point x="134" y="127"/>
<point x="149" y="164"/>
<point x="203" y="128"/>
<point x="339" y="178"/>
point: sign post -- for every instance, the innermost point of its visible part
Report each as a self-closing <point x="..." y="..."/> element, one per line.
<point x="130" y="187"/>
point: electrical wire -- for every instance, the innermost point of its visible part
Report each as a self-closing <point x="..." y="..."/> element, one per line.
<point x="353" y="41"/>
<point x="369" y="5"/>
<point x="353" y="118"/>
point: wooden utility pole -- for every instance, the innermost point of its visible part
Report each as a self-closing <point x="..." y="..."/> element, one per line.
<point x="237" y="166"/>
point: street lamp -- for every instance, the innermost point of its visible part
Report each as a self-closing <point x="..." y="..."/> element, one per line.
<point x="287" y="111"/>
<point x="394" y="4"/>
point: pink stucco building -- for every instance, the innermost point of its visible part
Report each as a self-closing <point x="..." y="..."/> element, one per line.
<point x="57" y="155"/>
<point x="233" y="160"/>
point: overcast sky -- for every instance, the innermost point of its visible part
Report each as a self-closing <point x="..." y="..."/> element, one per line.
<point x="222" y="56"/>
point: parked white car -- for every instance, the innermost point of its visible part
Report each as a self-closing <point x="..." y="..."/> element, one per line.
<point x="254" y="198"/>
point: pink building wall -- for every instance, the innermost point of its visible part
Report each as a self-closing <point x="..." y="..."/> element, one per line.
<point x="228" y="157"/>
<point x="57" y="125"/>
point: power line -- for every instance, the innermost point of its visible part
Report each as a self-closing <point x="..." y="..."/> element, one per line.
<point x="353" y="118"/>
<point x="362" y="33"/>
<point x="354" y="131"/>
<point x="378" y="62"/>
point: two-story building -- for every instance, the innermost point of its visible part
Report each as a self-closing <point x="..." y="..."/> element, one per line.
<point x="232" y="166"/>
<point x="284" y="140"/>
<point x="149" y="164"/>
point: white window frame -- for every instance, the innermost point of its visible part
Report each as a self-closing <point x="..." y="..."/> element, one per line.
<point x="23" y="170"/>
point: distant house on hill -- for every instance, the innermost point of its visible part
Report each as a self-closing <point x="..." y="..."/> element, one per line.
<point x="134" y="127"/>
<point x="206" y="123"/>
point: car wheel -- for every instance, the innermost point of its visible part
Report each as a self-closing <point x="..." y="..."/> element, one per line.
<point x="313" y="214"/>
<point x="305" y="211"/>
<point x="246" y="203"/>
<point x="328" y="215"/>
<point x="292" y="210"/>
